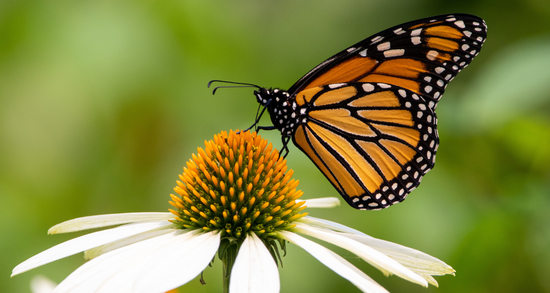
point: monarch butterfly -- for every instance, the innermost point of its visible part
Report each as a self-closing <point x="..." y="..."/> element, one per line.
<point x="366" y="116"/>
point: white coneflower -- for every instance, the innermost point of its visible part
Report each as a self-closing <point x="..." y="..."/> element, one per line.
<point x="235" y="198"/>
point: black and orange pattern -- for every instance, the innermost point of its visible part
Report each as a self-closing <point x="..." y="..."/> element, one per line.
<point x="366" y="116"/>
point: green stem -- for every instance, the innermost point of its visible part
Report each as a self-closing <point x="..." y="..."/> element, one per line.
<point x="228" y="260"/>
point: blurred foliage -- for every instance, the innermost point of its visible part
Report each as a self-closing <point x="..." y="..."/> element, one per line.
<point x="102" y="103"/>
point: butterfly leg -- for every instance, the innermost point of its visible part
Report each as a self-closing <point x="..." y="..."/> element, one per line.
<point x="258" y="117"/>
<point x="265" y="128"/>
<point x="284" y="149"/>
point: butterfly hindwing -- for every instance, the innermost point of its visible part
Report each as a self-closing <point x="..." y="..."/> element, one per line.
<point x="373" y="141"/>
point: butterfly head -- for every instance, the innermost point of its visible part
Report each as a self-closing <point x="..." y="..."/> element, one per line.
<point x="267" y="97"/>
<point x="281" y="107"/>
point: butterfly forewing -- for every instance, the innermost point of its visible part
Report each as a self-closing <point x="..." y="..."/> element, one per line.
<point x="373" y="141"/>
<point x="422" y="56"/>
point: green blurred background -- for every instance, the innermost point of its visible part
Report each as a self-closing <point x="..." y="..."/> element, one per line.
<point x="102" y="103"/>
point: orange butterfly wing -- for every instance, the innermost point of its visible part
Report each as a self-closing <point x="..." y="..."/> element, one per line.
<point x="371" y="126"/>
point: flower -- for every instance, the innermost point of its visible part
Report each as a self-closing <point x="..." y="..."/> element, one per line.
<point x="235" y="198"/>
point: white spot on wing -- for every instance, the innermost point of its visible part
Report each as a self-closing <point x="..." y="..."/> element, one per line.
<point x="368" y="87"/>
<point x="336" y="85"/>
<point x="384" y="46"/>
<point x="432" y="54"/>
<point x="416" y="32"/>
<point x="399" y="31"/>
<point x="377" y="39"/>
<point x="394" y="53"/>
<point x="460" y="24"/>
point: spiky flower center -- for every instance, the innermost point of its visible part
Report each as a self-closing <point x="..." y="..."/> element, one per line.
<point x="237" y="184"/>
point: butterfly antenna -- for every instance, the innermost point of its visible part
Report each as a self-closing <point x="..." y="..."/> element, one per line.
<point x="237" y="85"/>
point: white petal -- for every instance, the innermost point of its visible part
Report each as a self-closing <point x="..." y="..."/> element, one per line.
<point x="335" y="263"/>
<point x="255" y="269"/>
<point x="41" y="284"/>
<point x="178" y="264"/>
<point x="154" y="265"/>
<point x="85" y="242"/>
<point x="111" y="269"/>
<point x="330" y="225"/>
<point x="430" y="279"/>
<point x="98" y="221"/>
<point x="367" y="253"/>
<point x="97" y="251"/>
<point x="325" y="202"/>
<point x="416" y="260"/>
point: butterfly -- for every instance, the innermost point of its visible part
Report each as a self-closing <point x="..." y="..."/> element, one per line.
<point x="366" y="116"/>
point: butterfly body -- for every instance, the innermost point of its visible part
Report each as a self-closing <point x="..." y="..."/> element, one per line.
<point x="366" y="116"/>
<point x="283" y="110"/>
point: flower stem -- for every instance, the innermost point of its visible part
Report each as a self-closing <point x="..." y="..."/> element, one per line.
<point x="228" y="259"/>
